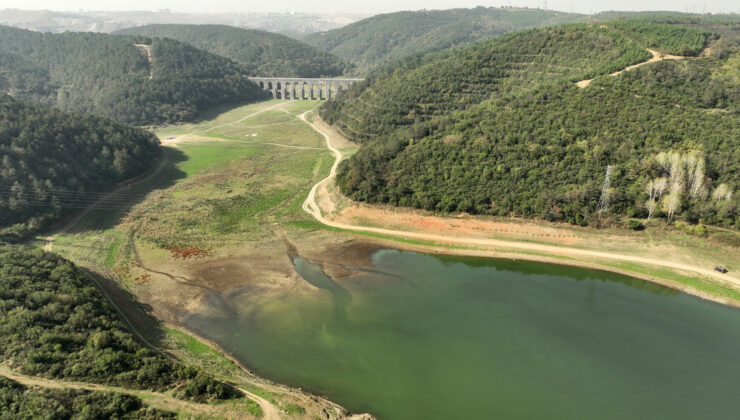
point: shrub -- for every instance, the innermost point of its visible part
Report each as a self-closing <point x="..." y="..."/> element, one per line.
<point x="635" y="224"/>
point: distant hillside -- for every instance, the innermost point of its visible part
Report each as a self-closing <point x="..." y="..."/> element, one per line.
<point x="108" y="76"/>
<point x="262" y="53"/>
<point x="389" y="37"/>
<point x="51" y="163"/>
<point x="669" y="17"/>
<point x="500" y="127"/>
<point x="287" y="23"/>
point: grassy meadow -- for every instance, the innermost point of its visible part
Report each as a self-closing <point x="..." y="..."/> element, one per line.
<point x="227" y="179"/>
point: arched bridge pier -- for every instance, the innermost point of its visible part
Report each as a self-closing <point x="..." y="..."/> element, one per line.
<point x="302" y="88"/>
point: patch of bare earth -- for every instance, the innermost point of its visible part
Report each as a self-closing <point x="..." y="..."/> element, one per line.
<point x="337" y="139"/>
<point x="657" y="56"/>
<point x="419" y="221"/>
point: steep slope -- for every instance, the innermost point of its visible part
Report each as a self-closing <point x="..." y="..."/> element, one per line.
<point x="109" y="76"/>
<point x="262" y="53"/>
<point x="390" y="37"/>
<point x="51" y="161"/>
<point x="542" y="150"/>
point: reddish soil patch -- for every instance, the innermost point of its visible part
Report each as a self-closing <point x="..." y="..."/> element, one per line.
<point x="144" y="278"/>
<point x="187" y="253"/>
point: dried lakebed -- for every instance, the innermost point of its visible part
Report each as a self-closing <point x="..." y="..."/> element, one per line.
<point x="438" y="337"/>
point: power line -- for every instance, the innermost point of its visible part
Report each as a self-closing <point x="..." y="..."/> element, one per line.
<point x="605" y="193"/>
<point x="67" y="192"/>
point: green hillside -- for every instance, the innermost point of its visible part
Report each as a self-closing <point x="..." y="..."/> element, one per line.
<point x="393" y="36"/>
<point x="542" y="149"/>
<point x="108" y="76"/>
<point x="421" y="88"/>
<point x="51" y="163"/>
<point x="20" y="402"/>
<point x="262" y="53"/>
<point x="55" y="324"/>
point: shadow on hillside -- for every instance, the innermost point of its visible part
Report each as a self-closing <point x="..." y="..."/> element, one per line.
<point x="130" y="310"/>
<point x="111" y="211"/>
<point x="211" y="113"/>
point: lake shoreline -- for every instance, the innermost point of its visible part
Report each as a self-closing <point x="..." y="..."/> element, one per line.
<point x="353" y="280"/>
<point x="427" y="249"/>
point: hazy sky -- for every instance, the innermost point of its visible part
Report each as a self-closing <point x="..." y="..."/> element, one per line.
<point x="374" y="6"/>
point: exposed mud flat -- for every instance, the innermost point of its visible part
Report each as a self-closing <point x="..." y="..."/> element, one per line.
<point x="180" y="288"/>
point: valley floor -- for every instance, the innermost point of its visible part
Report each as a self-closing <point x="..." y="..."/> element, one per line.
<point x="246" y="189"/>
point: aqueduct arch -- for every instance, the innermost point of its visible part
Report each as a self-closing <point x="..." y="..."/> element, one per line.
<point x="305" y="88"/>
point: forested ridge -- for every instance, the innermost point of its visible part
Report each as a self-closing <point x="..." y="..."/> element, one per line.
<point x="262" y="53"/>
<point x="668" y="39"/>
<point x="669" y="130"/>
<point x="390" y="37"/>
<point x="50" y="159"/>
<point x="421" y="88"/>
<point x="109" y="76"/>
<point x="55" y="324"/>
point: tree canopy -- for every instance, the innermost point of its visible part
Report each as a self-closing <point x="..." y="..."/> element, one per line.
<point x="421" y="88"/>
<point x="520" y="138"/>
<point x="393" y="36"/>
<point x="20" y="402"/>
<point x="262" y="53"/>
<point x="54" y="323"/>
<point x="49" y="160"/>
<point x="109" y="76"/>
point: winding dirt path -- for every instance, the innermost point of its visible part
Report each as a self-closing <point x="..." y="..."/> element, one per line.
<point x="311" y="207"/>
<point x="657" y="56"/>
<point x="182" y="137"/>
<point x="163" y="401"/>
<point x="269" y="411"/>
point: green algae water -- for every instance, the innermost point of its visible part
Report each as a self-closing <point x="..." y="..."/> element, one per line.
<point x="429" y="337"/>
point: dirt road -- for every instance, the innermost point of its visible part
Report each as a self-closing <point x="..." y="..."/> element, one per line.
<point x="156" y="399"/>
<point x="657" y="56"/>
<point x="148" y="49"/>
<point x="313" y="209"/>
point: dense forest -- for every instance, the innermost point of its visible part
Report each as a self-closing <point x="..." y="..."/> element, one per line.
<point x="19" y="402"/>
<point x="52" y="162"/>
<point x="420" y="88"/>
<point x="262" y="53"/>
<point x="390" y="37"/>
<point x="668" y="39"/>
<point x="55" y="324"/>
<point x="668" y="130"/>
<point x="109" y="76"/>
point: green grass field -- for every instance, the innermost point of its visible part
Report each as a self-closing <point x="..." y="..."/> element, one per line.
<point x="222" y="185"/>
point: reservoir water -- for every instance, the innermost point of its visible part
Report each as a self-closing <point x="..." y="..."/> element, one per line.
<point x="430" y="337"/>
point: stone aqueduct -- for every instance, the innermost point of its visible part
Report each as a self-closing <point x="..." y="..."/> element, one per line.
<point x="302" y="87"/>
